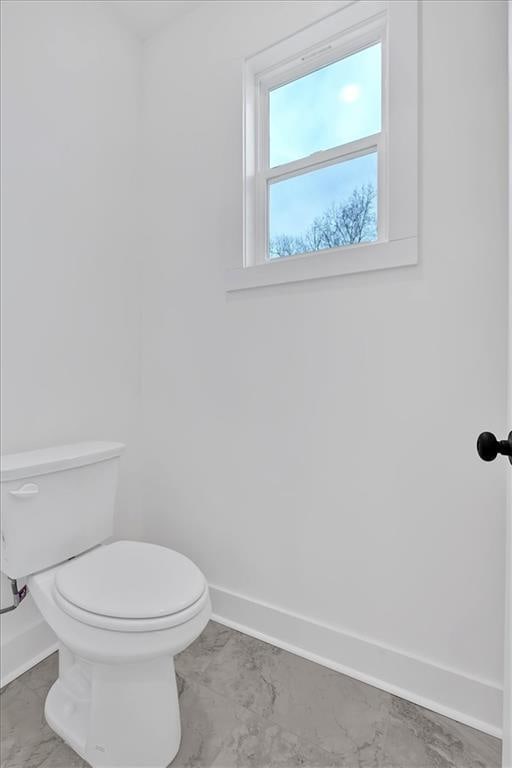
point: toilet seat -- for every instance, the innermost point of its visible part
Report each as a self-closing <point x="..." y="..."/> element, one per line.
<point x="131" y="586"/>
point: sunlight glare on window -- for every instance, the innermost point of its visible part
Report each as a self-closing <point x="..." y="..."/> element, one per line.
<point x="350" y="93"/>
<point x="334" y="105"/>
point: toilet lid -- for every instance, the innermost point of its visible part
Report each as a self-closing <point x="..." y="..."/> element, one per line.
<point x="131" y="580"/>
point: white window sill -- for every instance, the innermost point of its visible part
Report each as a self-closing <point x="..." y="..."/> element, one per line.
<point x="340" y="261"/>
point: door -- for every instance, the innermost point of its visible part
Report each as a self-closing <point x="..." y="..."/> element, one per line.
<point x="490" y="448"/>
<point x="486" y="444"/>
<point x="507" y="699"/>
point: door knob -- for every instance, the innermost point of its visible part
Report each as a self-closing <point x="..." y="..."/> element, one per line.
<point x="488" y="446"/>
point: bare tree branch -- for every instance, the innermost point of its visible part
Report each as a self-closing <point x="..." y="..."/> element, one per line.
<point x="347" y="223"/>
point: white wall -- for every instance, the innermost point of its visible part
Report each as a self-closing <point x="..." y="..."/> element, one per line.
<point x="70" y="303"/>
<point x="312" y="446"/>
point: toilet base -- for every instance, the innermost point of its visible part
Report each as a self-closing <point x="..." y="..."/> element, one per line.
<point x="116" y="715"/>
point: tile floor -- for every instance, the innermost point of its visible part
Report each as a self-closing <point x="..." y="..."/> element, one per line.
<point x="247" y="704"/>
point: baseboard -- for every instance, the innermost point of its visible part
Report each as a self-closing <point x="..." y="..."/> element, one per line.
<point x="26" y="650"/>
<point x="475" y="702"/>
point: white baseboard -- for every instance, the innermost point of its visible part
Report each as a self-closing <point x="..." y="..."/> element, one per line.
<point x="475" y="702"/>
<point x="25" y="650"/>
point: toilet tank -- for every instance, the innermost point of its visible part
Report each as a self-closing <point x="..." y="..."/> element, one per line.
<point x="56" y="503"/>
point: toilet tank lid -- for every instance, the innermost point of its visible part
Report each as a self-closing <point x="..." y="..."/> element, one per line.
<point x="16" y="466"/>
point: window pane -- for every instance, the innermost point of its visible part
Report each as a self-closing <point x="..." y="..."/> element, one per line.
<point x="327" y="208"/>
<point x="334" y="105"/>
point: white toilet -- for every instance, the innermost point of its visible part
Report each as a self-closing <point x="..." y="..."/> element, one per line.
<point x="120" y="611"/>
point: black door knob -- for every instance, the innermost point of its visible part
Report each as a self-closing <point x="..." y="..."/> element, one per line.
<point x="488" y="446"/>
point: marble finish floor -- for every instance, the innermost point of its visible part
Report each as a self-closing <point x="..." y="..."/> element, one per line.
<point x="247" y="704"/>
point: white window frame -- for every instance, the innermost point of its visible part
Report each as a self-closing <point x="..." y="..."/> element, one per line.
<point x="356" y="26"/>
<point x="256" y="252"/>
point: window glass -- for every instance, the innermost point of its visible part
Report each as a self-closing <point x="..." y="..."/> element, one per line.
<point x="334" y="105"/>
<point x="329" y="207"/>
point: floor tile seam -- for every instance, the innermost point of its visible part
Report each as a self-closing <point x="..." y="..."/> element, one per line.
<point x="216" y="753"/>
<point x="223" y="695"/>
<point x="385" y="734"/>
<point x="215" y="656"/>
<point x="196" y="682"/>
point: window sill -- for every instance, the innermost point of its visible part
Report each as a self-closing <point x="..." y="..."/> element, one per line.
<point x="341" y="261"/>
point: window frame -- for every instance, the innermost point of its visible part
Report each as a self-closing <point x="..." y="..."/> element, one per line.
<point x="353" y="27"/>
<point x="371" y="144"/>
<point x="344" y="46"/>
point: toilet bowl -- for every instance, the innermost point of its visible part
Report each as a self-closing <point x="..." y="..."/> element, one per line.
<point x="120" y="611"/>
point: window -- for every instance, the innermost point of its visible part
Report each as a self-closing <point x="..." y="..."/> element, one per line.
<point x="331" y="206"/>
<point x="331" y="148"/>
<point x="322" y="133"/>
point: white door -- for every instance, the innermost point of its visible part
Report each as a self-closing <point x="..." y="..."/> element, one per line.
<point x="507" y="691"/>
<point x="507" y="697"/>
<point x="507" y="701"/>
<point x="489" y="449"/>
<point x="507" y="687"/>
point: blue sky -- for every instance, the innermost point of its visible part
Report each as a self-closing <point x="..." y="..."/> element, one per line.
<point x="333" y="105"/>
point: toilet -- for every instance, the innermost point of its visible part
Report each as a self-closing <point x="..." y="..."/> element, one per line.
<point x="120" y="611"/>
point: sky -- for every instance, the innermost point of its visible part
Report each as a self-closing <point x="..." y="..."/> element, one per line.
<point x="333" y="105"/>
